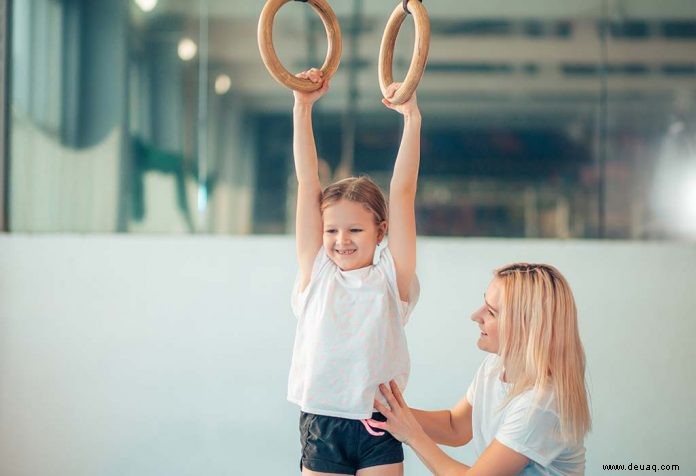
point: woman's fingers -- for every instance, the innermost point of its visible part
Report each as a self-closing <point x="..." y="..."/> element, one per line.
<point x="380" y="407"/>
<point x="386" y="391"/>
<point x="382" y="425"/>
<point x="397" y="393"/>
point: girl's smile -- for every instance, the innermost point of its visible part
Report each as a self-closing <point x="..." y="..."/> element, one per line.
<point x="345" y="252"/>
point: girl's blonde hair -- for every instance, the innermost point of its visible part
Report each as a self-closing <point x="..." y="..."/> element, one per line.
<point x="540" y="344"/>
<point x="361" y="190"/>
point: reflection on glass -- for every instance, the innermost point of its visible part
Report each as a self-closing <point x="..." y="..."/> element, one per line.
<point x="187" y="49"/>
<point x="146" y="5"/>
<point x="550" y="120"/>
<point x="222" y="84"/>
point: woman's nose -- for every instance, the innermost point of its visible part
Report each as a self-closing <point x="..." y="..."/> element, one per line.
<point x="476" y="316"/>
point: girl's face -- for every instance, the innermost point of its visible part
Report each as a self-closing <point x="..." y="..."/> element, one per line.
<point x="487" y="318"/>
<point x="350" y="234"/>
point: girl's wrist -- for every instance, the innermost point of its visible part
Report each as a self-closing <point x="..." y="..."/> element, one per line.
<point x="412" y="115"/>
<point x="303" y="105"/>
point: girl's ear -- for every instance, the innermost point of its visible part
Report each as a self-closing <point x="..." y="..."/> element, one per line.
<point x="381" y="231"/>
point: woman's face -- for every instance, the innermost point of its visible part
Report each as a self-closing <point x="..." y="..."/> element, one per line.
<point x="486" y="317"/>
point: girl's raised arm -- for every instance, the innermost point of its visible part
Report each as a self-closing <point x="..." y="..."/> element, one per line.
<point x="402" y="193"/>
<point x="308" y="224"/>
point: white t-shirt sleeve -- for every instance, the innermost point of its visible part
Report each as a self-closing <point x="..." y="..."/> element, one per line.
<point x="386" y="263"/>
<point x="531" y="431"/>
<point x="298" y="298"/>
<point x="471" y="392"/>
<point x="413" y="296"/>
<point x="480" y="373"/>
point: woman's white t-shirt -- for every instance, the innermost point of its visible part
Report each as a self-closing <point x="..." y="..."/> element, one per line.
<point x="525" y="425"/>
<point x="350" y="337"/>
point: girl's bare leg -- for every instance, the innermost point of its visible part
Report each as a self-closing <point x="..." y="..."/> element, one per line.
<point x="396" y="469"/>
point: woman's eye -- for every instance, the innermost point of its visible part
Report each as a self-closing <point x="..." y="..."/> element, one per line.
<point x="491" y="313"/>
<point x="330" y="231"/>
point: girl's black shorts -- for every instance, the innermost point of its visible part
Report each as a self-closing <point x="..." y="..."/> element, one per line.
<point x="343" y="446"/>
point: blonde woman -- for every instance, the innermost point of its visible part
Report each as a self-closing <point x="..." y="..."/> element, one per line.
<point x="526" y="411"/>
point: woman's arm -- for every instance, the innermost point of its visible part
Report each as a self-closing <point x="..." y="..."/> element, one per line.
<point x="447" y="427"/>
<point x="402" y="193"/>
<point x="497" y="459"/>
<point x="308" y="222"/>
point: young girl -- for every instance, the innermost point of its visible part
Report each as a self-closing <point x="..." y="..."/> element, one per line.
<point x="526" y="410"/>
<point x="352" y="297"/>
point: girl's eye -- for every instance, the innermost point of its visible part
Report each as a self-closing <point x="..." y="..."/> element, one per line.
<point x="491" y="313"/>
<point x="355" y="230"/>
<point x="330" y="231"/>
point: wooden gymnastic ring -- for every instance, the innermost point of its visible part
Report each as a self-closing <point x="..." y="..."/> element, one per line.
<point x="420" y="51"/>
<point x="270" y="59"/>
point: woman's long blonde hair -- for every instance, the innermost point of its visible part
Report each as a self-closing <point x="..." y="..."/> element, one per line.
<point x="540" y="344"/>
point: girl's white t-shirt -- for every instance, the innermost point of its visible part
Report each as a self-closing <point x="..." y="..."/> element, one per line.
<point x="350" y="337"/>
<point x="526" y="425"/>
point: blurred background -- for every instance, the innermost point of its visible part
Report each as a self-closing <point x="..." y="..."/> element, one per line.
<point x="541" y="119"/>
<point x="147" y="207"/>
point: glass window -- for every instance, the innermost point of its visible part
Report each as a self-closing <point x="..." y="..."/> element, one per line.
<point x="543" y="119"/>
